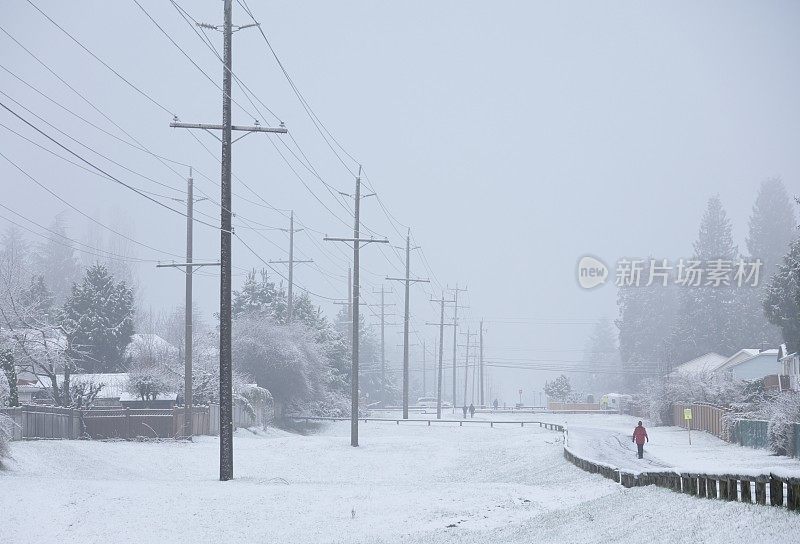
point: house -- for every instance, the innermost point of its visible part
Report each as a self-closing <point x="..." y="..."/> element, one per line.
<point x="752" y="364"/>
<point x="791" y="367"/>
<point x="745" y="364"/>
<point x="710" y="362"/>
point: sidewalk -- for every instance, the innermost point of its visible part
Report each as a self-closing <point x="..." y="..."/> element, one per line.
<point x="609" y="443"/>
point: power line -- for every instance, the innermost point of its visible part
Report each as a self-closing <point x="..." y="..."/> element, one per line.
<point x="106" y="174"/>
<point x="87" y="216"/>
<point x="101" y="61"/>
<point x="97" y="252"/>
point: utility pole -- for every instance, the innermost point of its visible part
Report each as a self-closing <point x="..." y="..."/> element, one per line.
<point x="356" y="240"/>
<point x="226" y="229"/>
<point x="350" y="295"/>
<point x="441" y="325"/>
<point x="424" y="370"/>
<point x="466" y="363"/>
<point x="408" y="281"/>
<point x="455" y="339"/>
<point x="188" y="267"/>
<point x="291" y="262"/>
<point x="383" y="341"/>
<point x="483" y="405"/>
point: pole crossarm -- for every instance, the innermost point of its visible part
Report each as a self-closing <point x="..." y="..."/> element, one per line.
<point x="184" y="265"/>
<point x="412" y="280"/>
<point x="244" y="128"/>
<point x="359" y="240"/>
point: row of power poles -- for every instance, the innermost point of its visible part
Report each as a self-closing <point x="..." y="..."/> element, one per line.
<point x="226" y="128"/>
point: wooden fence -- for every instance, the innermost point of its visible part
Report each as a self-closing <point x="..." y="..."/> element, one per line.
<point x="745" y="432"/>
<point x="705" y="417"/>
<point x="33" y="421"/>
<point x="29" y="422"/>
<point x="759" y="489"/>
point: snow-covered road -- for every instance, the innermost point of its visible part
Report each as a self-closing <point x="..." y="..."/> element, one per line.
<point x="407" y="483"/>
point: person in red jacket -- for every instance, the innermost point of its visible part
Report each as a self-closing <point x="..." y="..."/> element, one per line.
<point x="640" y="436"/>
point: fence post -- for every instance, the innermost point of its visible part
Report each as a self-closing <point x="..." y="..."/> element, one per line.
<point x="701" y="486"/>
<point x="775" y="490"/>
<point x="127" y="423"/>
<point x="761" y="492"/>
<point x="793" y="494"/>
<point x="746" y="496"/>
<point x="723" y="488"/>
<point x="733" y="489"/>
<point x="711" y="488"/>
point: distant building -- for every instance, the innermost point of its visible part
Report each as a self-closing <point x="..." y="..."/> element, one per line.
<point x="710" y="362"/>
<point x="746" y="364"/>
<point x="791" y="367"/>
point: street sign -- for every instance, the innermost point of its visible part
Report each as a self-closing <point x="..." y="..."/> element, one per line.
<point x="687" y="414"/>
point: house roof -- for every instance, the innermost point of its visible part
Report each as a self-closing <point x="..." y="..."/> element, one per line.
<point x="744" y="355"/>
<point x="708" y="362"/>
<point x="114" y="385"/>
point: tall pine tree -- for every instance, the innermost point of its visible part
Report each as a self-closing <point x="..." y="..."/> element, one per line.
<point x="782" y="298"/>
<point x="55" y="261"/>
<point x="707" y="319"/>
<point x="98" y="317"/>
<point x="772" y="228"/>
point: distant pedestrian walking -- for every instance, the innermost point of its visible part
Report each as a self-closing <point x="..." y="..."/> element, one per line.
<point x="640" y="436"/>
<point x="495" y="403"/>
<point x="471" y="410"/>
<point x="464" y="409"/>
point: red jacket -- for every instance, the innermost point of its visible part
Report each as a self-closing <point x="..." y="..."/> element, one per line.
<point x="640" y="435"/>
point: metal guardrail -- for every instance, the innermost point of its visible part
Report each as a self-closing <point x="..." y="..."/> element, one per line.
<point x="461" y="422"/>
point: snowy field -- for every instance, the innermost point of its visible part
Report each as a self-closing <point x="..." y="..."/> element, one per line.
<point x="406" y="483"/>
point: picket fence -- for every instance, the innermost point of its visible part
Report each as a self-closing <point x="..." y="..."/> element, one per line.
<point x="51" y="422"/>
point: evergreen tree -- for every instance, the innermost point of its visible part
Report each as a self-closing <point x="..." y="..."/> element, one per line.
<point x="98" y="318"/>
<point x="771" y="230"/>
<point x="602" y="359"/>
<point x="55" y="260"/>
<point x="707" y="315"/>
<point x="259" y="295"/>
<point x="15" y="252"/>
<point x="646" y="317"/>
<point x="38" y="299"/>
<point x="782" y="298"/>
<point x="772" y="226"/>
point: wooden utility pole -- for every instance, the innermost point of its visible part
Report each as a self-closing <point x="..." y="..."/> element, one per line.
<point x="424" y="372"/>
<point x="483" y="405"/>
<point x="188" y="267"/>
<point x="356" y="240"/>
<point x="441" y="325"/>
<point x="291" y="262"/>
<point x="407" y="281"/>
<point x="455" y="339"/>
<point x="466" y="363"/>
<point x="226" y="230"/>
<point x="384" y="304"/>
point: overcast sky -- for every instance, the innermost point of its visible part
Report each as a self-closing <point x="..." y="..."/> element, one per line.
<point x="512" y="137"/>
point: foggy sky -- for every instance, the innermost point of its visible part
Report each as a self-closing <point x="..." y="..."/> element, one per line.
<point x="513" y="137"/>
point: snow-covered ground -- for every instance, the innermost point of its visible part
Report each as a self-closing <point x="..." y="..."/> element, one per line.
<point x="406" y="483"/>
